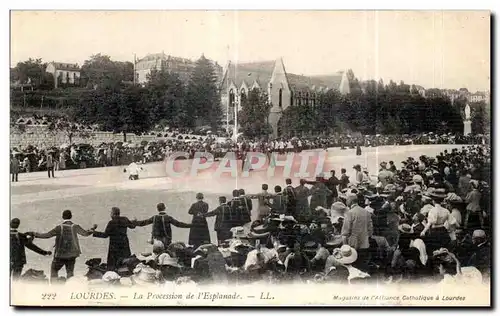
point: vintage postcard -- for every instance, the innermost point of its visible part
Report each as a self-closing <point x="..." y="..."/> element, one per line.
<point x="250" y="158"/>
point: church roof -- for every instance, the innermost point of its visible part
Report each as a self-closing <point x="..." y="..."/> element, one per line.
<point x="250" y="72"/>
<point x="300" y="82"/>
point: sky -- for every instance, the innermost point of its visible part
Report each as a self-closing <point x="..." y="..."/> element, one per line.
<point x="434" y="49"/>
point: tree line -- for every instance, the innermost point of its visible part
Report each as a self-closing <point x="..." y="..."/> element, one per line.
<point x="107" y="97"/>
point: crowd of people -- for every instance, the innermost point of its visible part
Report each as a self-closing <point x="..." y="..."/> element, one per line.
<point x="428" y="220"/>
<point x="74" y="156"/>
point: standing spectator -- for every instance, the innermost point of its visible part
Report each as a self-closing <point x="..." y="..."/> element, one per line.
<point x="302" y="193"/>
<point x="473" y="200"/>
<point x="359" y="174"/>
<point x="357" y="230"/>
<point x="199" y="234"/>
<point x="332" y="183"/>
<point x="14" y="167"/>
<point x="67" y="247"/>
<point x="50" y="163"/>
<point x="290" y="198"/>
<point x="319" y="194"/>
<point x="18" y="243"/>
<point x="463" y="184"/>
<point x="344" y="179"/>
<point x="116" y="231"/>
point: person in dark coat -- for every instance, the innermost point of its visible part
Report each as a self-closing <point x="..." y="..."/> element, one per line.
<point x="277" y="202"/>
<point x="50" y="163"/>
<point x="358" y="150"/>
<point x="248" y="206"/>
<point x="18" y="243"/>
<point x="290" y="198"/>
<point x="14" y="167"/>
<point x="238" y="209"/>
<point x="302" y="193"/>
<point x="116" y="231"/>
<point x="223" y="220"/>
<point x="332" y="184"/>
<point x="199" y="234"/>
<point x="162" y="230"/>
<point x="319" y="193"/>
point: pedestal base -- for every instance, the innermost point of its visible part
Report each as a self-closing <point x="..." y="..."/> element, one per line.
<point x="467" y="127"/>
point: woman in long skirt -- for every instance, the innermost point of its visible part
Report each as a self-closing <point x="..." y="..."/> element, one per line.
<point x="199" y="233"/>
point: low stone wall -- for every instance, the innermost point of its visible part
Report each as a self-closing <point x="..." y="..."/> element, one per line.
<point x="41" y="136"/>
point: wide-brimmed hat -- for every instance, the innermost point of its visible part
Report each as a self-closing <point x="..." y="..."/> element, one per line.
<point x="453" y="198"/>
<point x="146" y="256"/>
<point x="418" y="178"/>
<point x="144" y="275"/>
<point x="345" y="254"/>
<point x="236" y="245"/>
<point x="437" y="194"/>
<point x="357" y="167"/>
<point x="111" y="277"/>
<point x="405" y="229"/>
<point x="166" y="260"/>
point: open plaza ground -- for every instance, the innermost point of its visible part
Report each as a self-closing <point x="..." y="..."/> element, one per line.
<point x="90" y="193"/>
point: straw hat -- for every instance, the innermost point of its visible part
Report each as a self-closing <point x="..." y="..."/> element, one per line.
<point x="144" y="275"/>
<point x="453" y="198"/>
<point x="111" y="277"/>
<point x="345" y="254"/>
<point x="166" y="260"/>
<point x="405" y="229"/>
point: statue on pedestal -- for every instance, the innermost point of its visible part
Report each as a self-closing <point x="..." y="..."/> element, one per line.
<point x="467" y="112"/>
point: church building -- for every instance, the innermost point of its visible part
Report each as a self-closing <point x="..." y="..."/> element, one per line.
<point x="284" y="89"/>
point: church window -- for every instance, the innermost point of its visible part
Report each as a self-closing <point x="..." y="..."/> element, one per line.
<point x="280" y="100"/>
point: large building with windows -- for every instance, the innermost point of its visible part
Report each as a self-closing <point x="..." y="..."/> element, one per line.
<point x="181" y="66"/>
<point x="64" y="73"/>
<point x="284" y="89"/>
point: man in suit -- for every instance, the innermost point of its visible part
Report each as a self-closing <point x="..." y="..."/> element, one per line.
<point x="67" y="247"/>
<point x="18" y="243"/>
<point x="357" y="230"/>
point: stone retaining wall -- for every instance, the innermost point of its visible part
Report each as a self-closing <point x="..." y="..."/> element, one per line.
<point x="41" y="136"/>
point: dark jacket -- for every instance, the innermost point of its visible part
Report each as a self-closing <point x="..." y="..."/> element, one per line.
<point x="67" y="245"/>
<point x="222" y="217"/>
<point x="119" y="247"/>
<point x="290" y="200"/>
<point x="18" y="242"/>
<point x="481" y="259"/>
<point x="161" y="226"/>
<point x="278" y="204"/>
<point x="199" y="234"/>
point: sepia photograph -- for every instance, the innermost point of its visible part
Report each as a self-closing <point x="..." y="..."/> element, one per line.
<point x="250" y="158"/>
